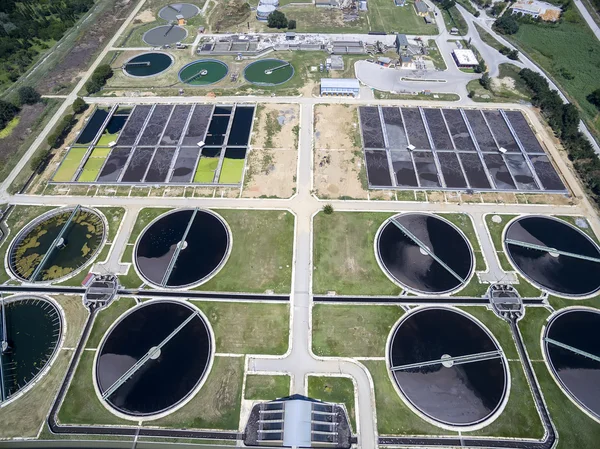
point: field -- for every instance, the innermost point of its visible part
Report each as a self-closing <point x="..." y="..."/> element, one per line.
<point x="266" y="387"/>
<point x="570" y="53"/>
<point x="384" y="15"/>
<point x="507" y="87"/>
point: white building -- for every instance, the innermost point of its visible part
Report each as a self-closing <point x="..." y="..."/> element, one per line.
<point x="465" y="58"/>
<point x="340" y="86"/>
<point x="535" y="9"/>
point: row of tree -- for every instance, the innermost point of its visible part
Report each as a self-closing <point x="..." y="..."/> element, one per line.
<point x="564" y="120"/>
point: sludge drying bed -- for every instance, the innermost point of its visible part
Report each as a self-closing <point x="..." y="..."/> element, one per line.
<point x="448" y="367"/>
<point x="554" y="255"/>
<point x="154" y="358"/>
<point x="182" y="248"/>
<point x="424" y="253"/>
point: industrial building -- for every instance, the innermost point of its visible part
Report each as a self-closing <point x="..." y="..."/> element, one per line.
<point x="465" y="58"/>
<point x="340" y="86"/>
<point x="535" y="9"/>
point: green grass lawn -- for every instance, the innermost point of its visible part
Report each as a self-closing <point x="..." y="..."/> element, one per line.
<point x="488" y="38"/>
<point x="352" y="330"/>
<point x="94" y="164"/>
<point x="261" y="252"/>
<point x="384" y="15"/>
<point x="338" y="390"/>
<point x="105" y="318"/>
<point x="263" y="387"/>
<point x="70" y="164"/>
<point x="454" y="19"/>
<point x="114" y="216"/>
<point x="570" y="53"/>
<point x="393" y="416"/>
<point x="435" y="55"/>
<point x="217" y="405"/>
<point x="344" y="254"/>
<point x="205" y="171"/>
<point x="259" y="328"/>
<point x="231" y="171"/>
<point x="500" y="93"/>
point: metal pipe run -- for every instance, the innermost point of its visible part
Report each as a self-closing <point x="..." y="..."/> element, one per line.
<point x="173" y="8"/>
<point x="178" y="250"/>
<point x="54" y="244"/>
<point x="153" y="352"/>
<point x="572" y="349"/>
<point x="459" y="360"/>
<point x="551" y="250"/>
<point x="269" y="71"/>
<point x="424" y="247"/>
<point x="170" y="29"/>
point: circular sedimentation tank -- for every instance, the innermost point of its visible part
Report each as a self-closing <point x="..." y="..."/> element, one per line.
<point x="34" y="328"/>
<point x="56" y="244"/>
<point x="572" y="352"/>
<point x="164" y="35"/>
<point x="153" y="359"/>
<point x="424" y="253"/>
<point x="186" y="10"/>
<point x="269" y="72"/>
<point x="554" y="255"/>
<point x="448" y="367"/>
<point x="182" y="248"/>
<point x="263" y="11"/>
<point x="203" y="72"/>
<point x="148" y="64"/>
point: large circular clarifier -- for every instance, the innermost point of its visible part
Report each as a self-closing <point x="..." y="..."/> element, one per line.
<point x="164" y="35"/>
<point x="56" y="244"/>
<point x="554" y="255"/>
<point x="174" y="11"/>
<point x="148" y="64"/>
<point x="182" y="248"/>
<point x="154" y="358"/>
<point x="448" y="367"/>
<point x="269" y="72"/>
<point x="424" y="253"/>
<point x="572" y="349"/>
<point x="33" y="333"/>
<point x="203" y="72"/>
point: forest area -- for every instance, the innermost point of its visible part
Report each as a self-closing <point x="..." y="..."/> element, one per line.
<point x="29" y="27"/>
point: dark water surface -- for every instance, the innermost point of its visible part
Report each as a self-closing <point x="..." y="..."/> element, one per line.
<point x="92" y="127"/>
<point x="459" y="395"/>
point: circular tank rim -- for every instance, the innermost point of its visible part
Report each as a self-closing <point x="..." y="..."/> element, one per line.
<point x="550" y="366"/>
<point x="476" y="425"/>
<point x="526" y="276"/>
<point x="148" y="53"/>
<point x="258" y="83"/>
<point x="163" y="26"/>
<point x="262" y="8"/>
<point x="391" y="277"/>
<point x="39" y="219"/>
<point x="202" y="60"/>
<point x="204" y="280"/>
<point x="198" y="10"/>
<point x="52" y="359"/>
<point x="188" y="397"/>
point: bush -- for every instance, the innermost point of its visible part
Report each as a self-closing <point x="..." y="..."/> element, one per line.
<point x="277" y="19"/>
<point x="79" y="105"/>
<point x="39" y="159"/>
<point x="513" y="54"/>
<point x="8" y="111"/>
<point x="594" y="98"/>
<point x="328" y="209"/>
<point x="98" y="79"/>
<point x="291" y="24"/>
<point x="471" y="93"/>
<point x="506" y="24"/>
<point x="485" y="81"/>
<point x="28" y="95"/>
<point x="62" y="129"/>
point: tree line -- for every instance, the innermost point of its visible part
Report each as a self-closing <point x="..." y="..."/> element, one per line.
<point x="564" y="120"/>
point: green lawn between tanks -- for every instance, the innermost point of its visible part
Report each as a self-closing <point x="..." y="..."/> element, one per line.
<point x="106" y="317"/>
<point x="465" y="224"/>
<point x="340" y="330"/>
<point x="114" y="216"/>
<point x="70" y="164"/>
<point x="261" y="252"/>
<point x="205" y="171"/>
<point x="344" y="254"/>
<point x="338" y="390"/>
<point x="267" y="387"/>
<point x="19" y="217"/>
<point x="552" y="47"/>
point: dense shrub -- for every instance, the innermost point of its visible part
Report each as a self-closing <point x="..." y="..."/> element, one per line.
<point x="8" y="111"/>
<point x="507" y="24"/>
<point x="28" y="95"/>
<point x="277" y="19"/>
<point x="98" y="78"/>
<point x="79" y="105"/>
<point x="62" y="129"/>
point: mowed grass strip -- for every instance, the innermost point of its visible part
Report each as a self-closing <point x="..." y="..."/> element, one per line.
<point x="352" y="330"/>
<point x="248" y="328"/>
<point x="393" y="416"/>
<point x="261" y="252"/>
<point x="205" y="171"/>
<point x="145" y="216"/>
<point x="217" y="404"/>
<point x="105" y="318"/>
<point x="266" y="387"/>
<point x="339" y="390"/>
<point x="344" y="254"/>
<point x="69" y="165"/>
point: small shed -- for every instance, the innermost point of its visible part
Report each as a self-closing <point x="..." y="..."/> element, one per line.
<point x="399" y="2"/>
<point x="401" y="42"/>
<point x="421" y="8"/>
<point x="406" y="61"/>
<point x="290" y="35"/>
<point x="180" y="19"/>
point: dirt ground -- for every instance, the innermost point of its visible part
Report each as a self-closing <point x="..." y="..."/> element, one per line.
<point x="28" y="116"/>
<point x="338" y="160"/>
<point x="146" y="16"/>
<point x="90" y="42"/>
<point x="272" y="161"/>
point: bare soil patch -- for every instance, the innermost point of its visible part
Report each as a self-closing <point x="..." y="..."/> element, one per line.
<point x="271" y="173"/>
<point x="28" y="116"/>
<point x="337" y="174"/>
<point x="275" y="126"/>
<point x="145" y="16"/>
<point x="336" y="126"/>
